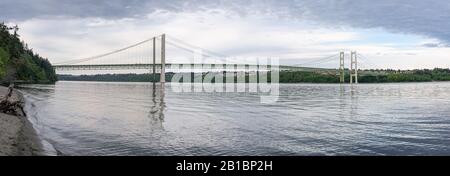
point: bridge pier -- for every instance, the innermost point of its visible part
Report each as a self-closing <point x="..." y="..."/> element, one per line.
<point x="353" y="68"/>
<point x="154" y="60"/>
<point x="342" y="67"/>
<point x="163" y="59"/>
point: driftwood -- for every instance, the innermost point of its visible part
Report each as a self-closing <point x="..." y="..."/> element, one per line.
<point x="9" y="106"/>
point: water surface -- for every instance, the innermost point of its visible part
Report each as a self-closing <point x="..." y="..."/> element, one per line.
<point x="95" y="118"/>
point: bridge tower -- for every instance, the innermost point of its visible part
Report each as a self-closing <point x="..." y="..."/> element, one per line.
<point x="163" y="59"/>
<point x="353" y="68"/>
<point x="154" y="60"/>
<point x="342" y="67"/>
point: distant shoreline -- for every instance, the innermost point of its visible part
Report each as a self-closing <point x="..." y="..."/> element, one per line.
<point x="93" y="81"/>
<point x="17" y="135"/>
<point x="366" y="76"/>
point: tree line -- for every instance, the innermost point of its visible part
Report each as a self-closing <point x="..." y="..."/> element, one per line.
<point x="366" y="76"/>
<point x="369" y="76"/>
<point x="19" y="63"/>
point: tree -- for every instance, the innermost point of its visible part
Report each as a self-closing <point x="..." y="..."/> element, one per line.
<point x="19" y="62"/>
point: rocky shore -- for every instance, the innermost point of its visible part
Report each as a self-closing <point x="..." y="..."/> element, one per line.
<point x="17" y="136"/>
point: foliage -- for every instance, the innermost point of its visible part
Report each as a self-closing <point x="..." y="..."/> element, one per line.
<point x="4" y="58"/>
<point x="20" y="63"/>
<point x="366" y="76"/>
<point x="307" y="77"/>
<point x="113" y="77"/>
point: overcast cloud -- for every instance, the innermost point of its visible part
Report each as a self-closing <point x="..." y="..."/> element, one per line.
<point x="323" y="26"/>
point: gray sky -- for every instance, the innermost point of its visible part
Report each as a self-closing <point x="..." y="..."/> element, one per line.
<point x="389" y="33"/>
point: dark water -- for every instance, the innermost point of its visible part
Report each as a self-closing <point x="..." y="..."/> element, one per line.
<point x="90" y="118"/>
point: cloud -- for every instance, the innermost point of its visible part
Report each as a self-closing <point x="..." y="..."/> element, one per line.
<point x="215" y="30"/>
<point x="435" y="45"/>
<point x="423" y="17"/>
<point x="69" y="29"/>
<point x="27" y="9"/>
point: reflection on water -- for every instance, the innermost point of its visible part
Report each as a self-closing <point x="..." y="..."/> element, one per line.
<point x="93" y="118"/>
<point x="156" y="113"/>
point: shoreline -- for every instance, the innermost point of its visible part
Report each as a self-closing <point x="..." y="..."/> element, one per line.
<point x="17" y="135"/>
<point x="363" y="83"/>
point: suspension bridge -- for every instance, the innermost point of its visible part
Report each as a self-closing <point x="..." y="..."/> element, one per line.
<point x="151" y="55"/>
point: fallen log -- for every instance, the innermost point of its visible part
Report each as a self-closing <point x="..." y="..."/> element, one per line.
<point x="9" y="106"/>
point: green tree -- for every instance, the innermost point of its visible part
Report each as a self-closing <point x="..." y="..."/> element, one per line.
<point x="18" y="62"/>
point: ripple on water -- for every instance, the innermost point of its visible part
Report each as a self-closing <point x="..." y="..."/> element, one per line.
<point x="80" y="118"/>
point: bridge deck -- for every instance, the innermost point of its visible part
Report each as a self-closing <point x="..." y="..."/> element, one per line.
<point x="169" y="66"/>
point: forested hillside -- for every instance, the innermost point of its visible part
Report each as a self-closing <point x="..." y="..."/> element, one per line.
<point x="19" y="63"/>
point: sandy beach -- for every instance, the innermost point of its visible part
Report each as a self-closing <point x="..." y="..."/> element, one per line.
<point x="17" y="136"/>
